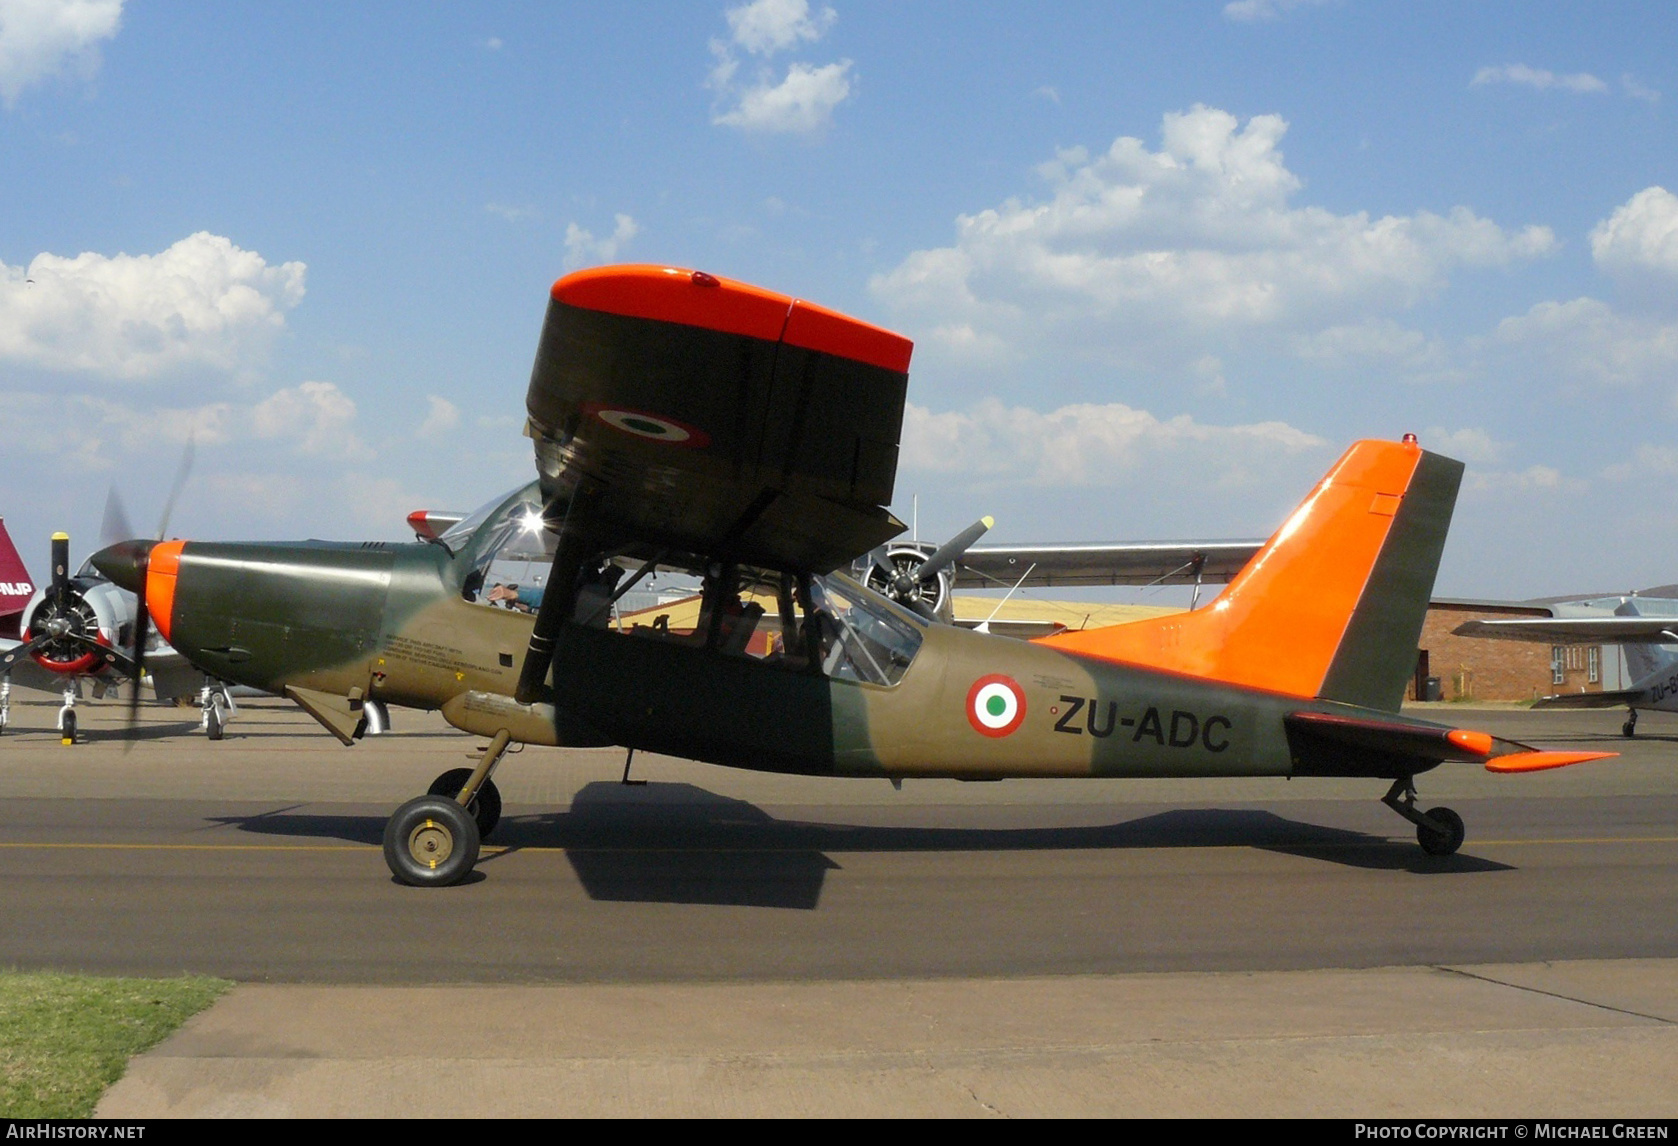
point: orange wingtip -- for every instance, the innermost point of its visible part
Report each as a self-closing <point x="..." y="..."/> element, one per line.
<point x="1479" y="743"/>
<point x="1539" y="761"/>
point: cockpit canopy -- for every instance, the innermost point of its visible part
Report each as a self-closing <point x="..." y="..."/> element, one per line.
<point x="804" y="622"/>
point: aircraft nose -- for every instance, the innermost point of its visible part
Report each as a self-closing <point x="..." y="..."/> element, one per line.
<point x="123" y="561"/>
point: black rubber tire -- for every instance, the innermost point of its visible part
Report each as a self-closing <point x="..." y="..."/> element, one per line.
<point x="485" y="806"/>
<point x="214" y="728"/>
<point x="1629" y="728"/>
<point x="1437" y="843"/>
<point x="68" y="733"/>
<point x="431" y="842"/>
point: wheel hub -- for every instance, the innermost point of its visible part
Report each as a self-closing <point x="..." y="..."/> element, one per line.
<point x="430" y="843"/>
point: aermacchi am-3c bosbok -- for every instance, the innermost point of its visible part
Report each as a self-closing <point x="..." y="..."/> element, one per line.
<point x="688" y="423"/>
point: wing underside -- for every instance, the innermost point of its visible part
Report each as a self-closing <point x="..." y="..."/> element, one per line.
<point x="1609" y="699"/>
<point x="1577" y="630"/>
<point x="1146" y="563"/>
<point x="711" y="417"/>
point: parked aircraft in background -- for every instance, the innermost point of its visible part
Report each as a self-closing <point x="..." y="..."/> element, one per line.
<point x="79" y="629"/>
<point x="1646" y="628"/>
<point x="749" y="440"/>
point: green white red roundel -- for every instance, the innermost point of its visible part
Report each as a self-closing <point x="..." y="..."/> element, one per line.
<point x="995" y="705"/>
<point x="652" y="427"/>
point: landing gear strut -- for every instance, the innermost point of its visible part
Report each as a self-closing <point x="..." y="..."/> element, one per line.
<point x="5" y="702"/>
<point x="1629" y="728"/>
<point x="67" y="717"/>
<point x="216" y="707"/>
<point x="1440" y="831"/>
<point x="433" y="840"/>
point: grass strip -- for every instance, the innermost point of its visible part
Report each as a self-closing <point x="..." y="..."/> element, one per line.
<point x="65" y="1038"/>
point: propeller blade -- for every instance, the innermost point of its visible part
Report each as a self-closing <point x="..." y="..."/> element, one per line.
<point x="181" y="475"/>
<point x="115" y="527"/>
<point x="916" y="605"/>
<point x="142" y="636"/>
<point x="952" y="549"/>
<point x="11" y="656"/>
<point x="60" y="565"/>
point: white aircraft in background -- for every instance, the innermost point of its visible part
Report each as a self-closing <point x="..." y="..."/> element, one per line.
<point x="1645" y="627"/>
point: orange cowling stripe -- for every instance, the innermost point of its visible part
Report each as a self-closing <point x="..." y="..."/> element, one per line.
<point x="1278" y="624"/>
<point x="163" y="566"/>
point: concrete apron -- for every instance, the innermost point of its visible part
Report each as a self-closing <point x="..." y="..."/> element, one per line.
<point x="1588" y="1038"/>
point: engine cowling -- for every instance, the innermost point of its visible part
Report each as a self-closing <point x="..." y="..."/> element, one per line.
<point x="89" y="609"/>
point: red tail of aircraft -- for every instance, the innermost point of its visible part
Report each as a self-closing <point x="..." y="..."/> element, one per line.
<point x="15" y="586"/>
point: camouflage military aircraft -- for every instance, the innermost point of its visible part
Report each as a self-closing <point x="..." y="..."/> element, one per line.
<point x="684" y="422"/>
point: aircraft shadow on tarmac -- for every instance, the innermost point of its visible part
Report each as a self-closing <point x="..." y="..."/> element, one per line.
<point x="678" y="843"/>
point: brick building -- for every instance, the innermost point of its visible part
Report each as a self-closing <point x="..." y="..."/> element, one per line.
<point x="1474" y="668"/>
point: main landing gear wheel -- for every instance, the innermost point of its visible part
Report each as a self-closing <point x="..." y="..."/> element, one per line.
<point x="431" y="841"/>
<point x="485" y="807"/>
<point x="1443" y="839"/>
<point x="67" y="727"/>
<point x="215" y="725"/>
<point x="1629" y="728"/>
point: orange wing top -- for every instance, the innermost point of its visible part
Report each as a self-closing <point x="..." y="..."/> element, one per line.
<point x="1281" y="623"/>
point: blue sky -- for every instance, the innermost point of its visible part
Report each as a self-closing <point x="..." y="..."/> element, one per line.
<point x="1161" y="263"/>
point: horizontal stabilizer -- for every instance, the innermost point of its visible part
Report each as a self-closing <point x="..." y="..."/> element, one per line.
<point x="1331" y="744"/>
<point x="1540" y="761"/>
<point x="1608" y="699"/>
<point x="1576" y="630"/>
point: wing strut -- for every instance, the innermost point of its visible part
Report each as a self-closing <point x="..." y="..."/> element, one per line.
<point x="559" y="601"/>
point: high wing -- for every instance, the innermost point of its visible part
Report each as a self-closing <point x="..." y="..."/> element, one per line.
<point x="684" y="412"/>
<point x="1145" y="563"/>
<point x="1577" y="630"/>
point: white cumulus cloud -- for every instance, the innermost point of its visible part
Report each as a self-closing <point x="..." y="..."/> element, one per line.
<point x="43" y="38"/>
<point x="1473" y="446"/>
<point x="317" y="415"/>
<point x="1586" y="342"/>
<point x="802" y="102"/>
<point x="444" y="416"/>
<point x="1641" y="236"/>
<point x="203" y="302"/>
<point x="1081" y="444"/>
<point x="1254" y="11"/>
<point x="583" y="249"/>
<point x="1200" y="236"/>
<point x="799" y="102"/>
<point x="1540" y="78"/>
<point x="767" y="26"/>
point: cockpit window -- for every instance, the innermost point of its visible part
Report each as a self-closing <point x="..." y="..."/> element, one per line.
<point x="505" y="550"/>
<point x="864" y="637"/>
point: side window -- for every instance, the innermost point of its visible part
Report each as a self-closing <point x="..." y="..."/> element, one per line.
<point x="861" y="637"/>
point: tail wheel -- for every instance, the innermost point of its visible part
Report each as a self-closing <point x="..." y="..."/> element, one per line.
<point x="431" y="842"/>
<point x="1444" y="835"/>
<point x="485" y="807"/>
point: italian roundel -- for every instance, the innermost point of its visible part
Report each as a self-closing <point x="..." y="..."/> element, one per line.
<point x="995" y="705"/>
<point x="640" y="424"/>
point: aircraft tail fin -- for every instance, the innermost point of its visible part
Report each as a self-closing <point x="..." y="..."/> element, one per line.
<point x="15" y="586"/>
<point x="1333" y="605"/>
